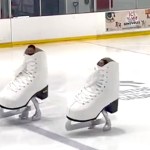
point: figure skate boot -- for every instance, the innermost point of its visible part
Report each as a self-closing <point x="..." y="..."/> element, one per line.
<point x="99" y="95"/>
<point x="30" y="83"/>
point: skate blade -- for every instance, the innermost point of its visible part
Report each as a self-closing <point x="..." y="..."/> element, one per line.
<point x="10" y="113"/>
<point x="89" y="124"/>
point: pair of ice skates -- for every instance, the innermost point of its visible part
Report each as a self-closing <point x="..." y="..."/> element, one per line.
<point x="99" y="95"/>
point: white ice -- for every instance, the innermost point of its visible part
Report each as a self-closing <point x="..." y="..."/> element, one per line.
<point x="70" y="63"/>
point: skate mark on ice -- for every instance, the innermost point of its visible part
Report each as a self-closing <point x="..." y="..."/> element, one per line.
<point x="130" y="90"/>
<point x="131" y="82"/>
<point x="119" y="49"/>
<point x="58" y="138"/>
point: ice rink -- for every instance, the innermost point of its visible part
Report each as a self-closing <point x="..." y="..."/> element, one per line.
<point x="69" y="64"/>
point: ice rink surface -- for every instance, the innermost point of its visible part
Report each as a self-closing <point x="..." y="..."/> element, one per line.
<point x="69" y="64"/>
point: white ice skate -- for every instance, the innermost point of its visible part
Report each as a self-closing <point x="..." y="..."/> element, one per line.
<point x="99" y="95"/>
<point x="30" y="83"/>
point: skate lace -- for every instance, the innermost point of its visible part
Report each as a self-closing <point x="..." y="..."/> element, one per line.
<point x="93" y="88"/>
<point x="25" y="77"/>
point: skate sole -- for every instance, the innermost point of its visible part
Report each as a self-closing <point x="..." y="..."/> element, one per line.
<point x="42" y="94"/>
<point x="111" y="108"/>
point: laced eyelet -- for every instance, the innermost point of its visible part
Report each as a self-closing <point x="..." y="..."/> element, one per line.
<point x="93" y="89"/>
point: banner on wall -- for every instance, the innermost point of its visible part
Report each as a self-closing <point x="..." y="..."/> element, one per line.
<point x="147" y="14"/>
<point x="126" y="20"/>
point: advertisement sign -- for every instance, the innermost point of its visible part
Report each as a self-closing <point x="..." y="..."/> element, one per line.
<point x="147" y="14"/>
<point x="126" y="20"/>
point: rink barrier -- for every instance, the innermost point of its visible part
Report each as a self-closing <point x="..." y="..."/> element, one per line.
<point x="25" y="30"/>
<point x="80" y="38"/>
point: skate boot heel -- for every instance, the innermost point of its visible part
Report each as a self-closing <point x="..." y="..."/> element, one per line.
<point x="112" y="107"/>
<point x="43" y="93"/>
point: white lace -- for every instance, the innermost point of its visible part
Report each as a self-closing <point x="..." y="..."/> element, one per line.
<point x="24" y="78"/>
<point x="93" y="87"/>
